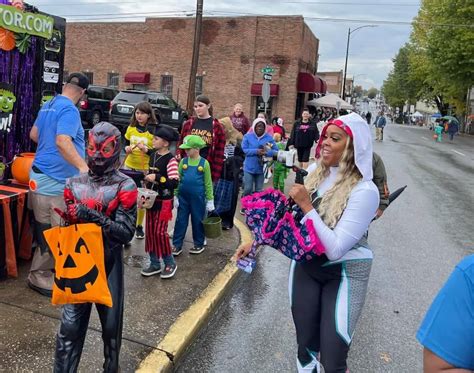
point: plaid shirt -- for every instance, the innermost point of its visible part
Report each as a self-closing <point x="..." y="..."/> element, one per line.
<point x="215" y="156"/>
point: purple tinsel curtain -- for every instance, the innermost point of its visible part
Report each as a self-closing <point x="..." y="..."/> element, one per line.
<point x="20" y="70"/>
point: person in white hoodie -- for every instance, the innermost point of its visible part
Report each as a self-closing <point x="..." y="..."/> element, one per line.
<point x="339" y="198"/>
<point x="256" y="144"/>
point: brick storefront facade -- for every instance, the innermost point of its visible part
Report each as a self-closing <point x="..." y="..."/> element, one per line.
<point x="233" y="50"/>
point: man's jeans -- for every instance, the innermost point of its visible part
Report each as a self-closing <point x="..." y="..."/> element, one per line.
<point x="252" y="183"/>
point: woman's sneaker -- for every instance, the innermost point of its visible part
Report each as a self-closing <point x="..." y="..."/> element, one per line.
<point x="151" y="270"/>
<point x="176" y="250"/>
<point x="197" y="250"/>
<point x="169" y="271"/>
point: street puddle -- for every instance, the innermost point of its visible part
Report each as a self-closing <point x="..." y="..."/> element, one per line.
<point x="135" y="260"/>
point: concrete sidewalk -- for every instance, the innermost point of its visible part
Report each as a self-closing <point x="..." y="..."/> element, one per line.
<point x="161" y="316"/>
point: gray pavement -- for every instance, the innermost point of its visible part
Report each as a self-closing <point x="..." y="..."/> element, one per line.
<point x="28" y="321"/>
<point x="416" y="245"/>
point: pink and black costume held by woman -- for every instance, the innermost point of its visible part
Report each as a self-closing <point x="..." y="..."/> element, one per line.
<point x="108" y="198"/>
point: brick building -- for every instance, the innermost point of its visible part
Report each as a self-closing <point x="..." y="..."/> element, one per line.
<point x="334" y="81"/>
<point x="156" y="55"/>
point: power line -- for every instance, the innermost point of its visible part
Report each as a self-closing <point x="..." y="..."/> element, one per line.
<point x="128" y="15"/>
<point x="111" y="16"/>
<point x="356" y="4"/>
<point x="273" y="1"/>
<point x="367" y="21"/>
<point x="85" y="3"/>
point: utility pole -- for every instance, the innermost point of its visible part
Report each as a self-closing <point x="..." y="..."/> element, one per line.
<point x="349" y="32"/>
<point x="195" y="60"/>
<point x="345" y="66"/>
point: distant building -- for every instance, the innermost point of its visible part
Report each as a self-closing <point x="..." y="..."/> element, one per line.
<point x="156" y="55"/>
<point x="334" y="81"/>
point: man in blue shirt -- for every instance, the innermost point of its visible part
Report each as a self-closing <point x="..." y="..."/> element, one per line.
<point x="447" y="332"/>
<point x="380" y="123"/>
<point x="60" y="155"/>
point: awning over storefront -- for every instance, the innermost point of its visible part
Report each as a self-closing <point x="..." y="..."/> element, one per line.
<point x="137" y="78"/>
<point x="324" y="86"/>
<point x="256" y="89"/>
<point x="311" y="83"/>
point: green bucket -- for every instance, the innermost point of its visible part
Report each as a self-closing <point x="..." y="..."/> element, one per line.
<point x="212" y="227"/>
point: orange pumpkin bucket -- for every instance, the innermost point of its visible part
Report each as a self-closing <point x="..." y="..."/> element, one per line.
<point x="21" y="166"/>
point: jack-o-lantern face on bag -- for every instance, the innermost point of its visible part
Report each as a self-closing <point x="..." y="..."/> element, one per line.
<point x="80" y="274"/>
<point x="80" y="270"/>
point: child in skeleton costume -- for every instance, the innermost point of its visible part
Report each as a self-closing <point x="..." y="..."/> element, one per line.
<point x="108" y="198"/>
<point x="163" y="177"/>
<point x="339" y="200"/>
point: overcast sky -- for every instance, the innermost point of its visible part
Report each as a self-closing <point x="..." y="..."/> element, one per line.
<point x="371" y="49"/>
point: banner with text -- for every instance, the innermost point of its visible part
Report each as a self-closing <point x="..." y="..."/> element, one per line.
<point x="25" y="22"/>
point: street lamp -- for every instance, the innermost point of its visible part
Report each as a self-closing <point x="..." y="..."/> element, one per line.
<point x="349" y="32"/>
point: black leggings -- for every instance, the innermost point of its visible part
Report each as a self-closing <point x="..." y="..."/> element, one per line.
<point x="303" y="154"/>
<point x="75" y="321"/>
<point x="326" y="301"/>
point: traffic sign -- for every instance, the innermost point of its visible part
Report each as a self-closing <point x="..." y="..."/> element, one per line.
<point x="266" y="91"/>
<point x="267" y="77"/>
<point x="267" y="70"/>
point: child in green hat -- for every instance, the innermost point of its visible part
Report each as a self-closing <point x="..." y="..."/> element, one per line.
<point x="194" y="195"/>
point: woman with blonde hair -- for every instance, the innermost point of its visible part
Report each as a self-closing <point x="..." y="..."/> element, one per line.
<point x="340" y="200"/>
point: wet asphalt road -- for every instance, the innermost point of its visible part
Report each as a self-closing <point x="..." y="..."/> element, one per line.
<point x="416" y="245"/>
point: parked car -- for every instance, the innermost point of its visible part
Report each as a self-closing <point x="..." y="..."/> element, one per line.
<point x="95" y="105"/>
<point x="166" y="109"/>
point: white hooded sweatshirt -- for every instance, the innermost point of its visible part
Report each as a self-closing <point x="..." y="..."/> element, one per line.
<point x="361" y="206"/>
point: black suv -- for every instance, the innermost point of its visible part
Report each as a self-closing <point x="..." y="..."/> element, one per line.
<point x="166" y="109"/>
<point x="95" y="105"/>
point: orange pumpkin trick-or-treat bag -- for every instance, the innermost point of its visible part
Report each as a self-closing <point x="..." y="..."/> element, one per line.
<point x="80" y="270"/>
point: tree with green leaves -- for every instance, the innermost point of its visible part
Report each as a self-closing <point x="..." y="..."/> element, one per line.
<point x="443" y="35"/>
<point x="372" y="92"/>
<point x="439" y="62"/>
<point x="358" y="91"/>
<point x="399" y="88"/>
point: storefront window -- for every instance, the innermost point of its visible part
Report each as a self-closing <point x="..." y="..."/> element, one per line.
<point x="167" y="85"/>
<point x="198" y="89"/>
<point x="90" y="76"/>
<point x="260" y="107"/>
<point x="113" y="79"/>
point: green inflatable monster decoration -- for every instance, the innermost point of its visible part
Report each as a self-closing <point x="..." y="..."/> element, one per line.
<point x="7" y="99"/>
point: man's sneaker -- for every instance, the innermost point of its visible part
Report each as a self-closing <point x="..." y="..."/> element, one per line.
<point x="151" y="270"/>
<point x="139" y="232"/>
<point x="197" y="250"/>
<point x="169" y="271"/>
<point x="45" y="292"/>
<point x="176" y="250"/>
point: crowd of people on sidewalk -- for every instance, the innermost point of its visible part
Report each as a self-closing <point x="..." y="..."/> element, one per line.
<point x="197" y="173"/>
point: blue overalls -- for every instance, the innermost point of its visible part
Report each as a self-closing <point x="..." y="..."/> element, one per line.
<point x="192" y="200"/>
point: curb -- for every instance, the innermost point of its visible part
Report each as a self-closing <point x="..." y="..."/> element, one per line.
<point x="184" y="330"/>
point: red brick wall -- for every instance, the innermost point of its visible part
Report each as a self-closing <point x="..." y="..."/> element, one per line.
<point x="233" y="50"/>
